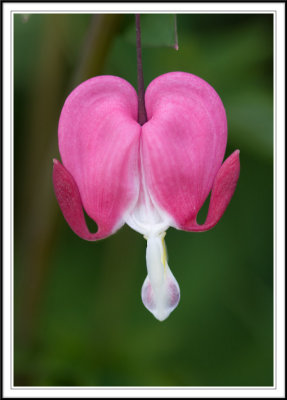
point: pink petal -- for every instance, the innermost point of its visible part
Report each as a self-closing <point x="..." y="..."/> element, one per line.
<point x="183" y="142"/>
<point x="69" y="199"/>
<point x="223" y="189"/>
<point x="99" y="146"/>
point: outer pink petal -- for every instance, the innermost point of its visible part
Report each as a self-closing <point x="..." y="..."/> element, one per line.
<point x="222" y="192"/>
<point x="69" y="199"/>
<point x="99" y="146"/>
<point x="183" y="142"/>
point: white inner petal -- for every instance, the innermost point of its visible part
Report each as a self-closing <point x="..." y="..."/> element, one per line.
<point x="147" y="217"/>
<point x="160" y="291"/>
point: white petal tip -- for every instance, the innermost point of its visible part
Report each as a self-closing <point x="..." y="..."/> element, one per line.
<point x="161" y="316"/>
<point x="164" y="299"/>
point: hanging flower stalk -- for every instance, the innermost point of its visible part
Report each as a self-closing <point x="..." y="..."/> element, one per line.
<point x="146" y="161"/>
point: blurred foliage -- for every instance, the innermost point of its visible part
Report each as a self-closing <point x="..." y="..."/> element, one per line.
<point x="79" y="320"/>
<point x="157" y="30"/>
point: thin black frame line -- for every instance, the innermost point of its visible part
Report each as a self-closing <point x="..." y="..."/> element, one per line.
<point x="12" y="196"/>
<point x="275" y="377"/>
<point x="274" y="387"/>
<point x="144" y="388"/>
<point x="143" y="12"/>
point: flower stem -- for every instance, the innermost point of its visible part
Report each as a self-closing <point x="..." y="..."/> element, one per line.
<point x="142" y="117"/>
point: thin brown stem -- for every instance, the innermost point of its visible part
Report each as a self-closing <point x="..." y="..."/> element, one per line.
<point x="142" y="117"/>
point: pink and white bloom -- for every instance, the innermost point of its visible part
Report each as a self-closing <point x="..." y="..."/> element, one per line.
<point x="150" y="177"/>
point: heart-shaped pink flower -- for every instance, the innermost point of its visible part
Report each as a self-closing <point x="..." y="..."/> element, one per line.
<point x="152" y="176"/>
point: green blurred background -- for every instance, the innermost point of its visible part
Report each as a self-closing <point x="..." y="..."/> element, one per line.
<point x="78" y="315"/>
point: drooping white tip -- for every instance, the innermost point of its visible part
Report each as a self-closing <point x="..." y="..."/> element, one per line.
<point x="160" y="291"/>
<point x="162" y="301"/>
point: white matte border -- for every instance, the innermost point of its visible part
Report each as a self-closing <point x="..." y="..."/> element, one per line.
<point x="278" y="391"/>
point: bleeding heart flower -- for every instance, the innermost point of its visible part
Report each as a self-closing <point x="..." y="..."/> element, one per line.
<point x="150" y="177"/>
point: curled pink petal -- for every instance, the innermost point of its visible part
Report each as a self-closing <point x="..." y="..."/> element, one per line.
<point x="183" y="143"/>
<point x="99" y="146"/>
<point x="69" y="199"/>
<point x="222" y="192"/>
